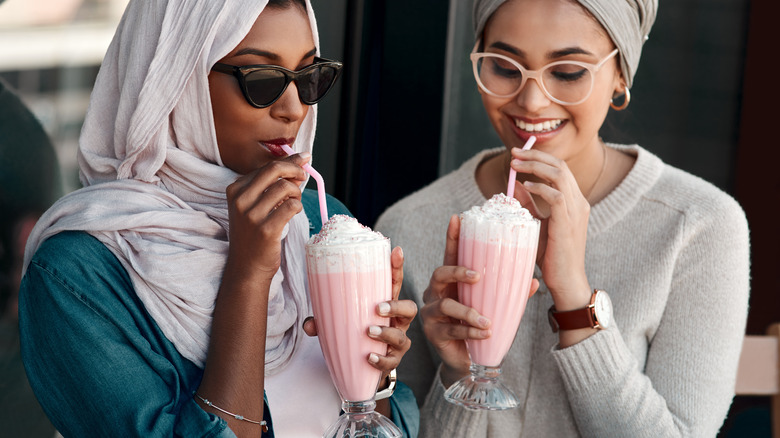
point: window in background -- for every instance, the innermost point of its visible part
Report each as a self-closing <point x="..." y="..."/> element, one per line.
<point x="50" y="52"/>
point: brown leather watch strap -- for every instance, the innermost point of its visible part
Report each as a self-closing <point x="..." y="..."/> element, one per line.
<point x="573" y="319"/>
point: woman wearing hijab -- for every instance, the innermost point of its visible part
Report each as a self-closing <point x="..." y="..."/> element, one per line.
<point x="669" y="249"/>
<point x="168" y="296"/>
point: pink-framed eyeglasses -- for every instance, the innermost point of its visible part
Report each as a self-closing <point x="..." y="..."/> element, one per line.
<point x="563" y="82"/>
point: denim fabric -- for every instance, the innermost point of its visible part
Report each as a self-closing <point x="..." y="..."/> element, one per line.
<point x="97" y="361"/>
<point x="404" y="411"/>
<point x="100" y="365"/>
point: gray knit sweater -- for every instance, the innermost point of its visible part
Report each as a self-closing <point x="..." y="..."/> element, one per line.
<point x="672" y="251"/>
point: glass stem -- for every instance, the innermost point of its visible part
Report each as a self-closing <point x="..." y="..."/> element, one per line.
<point x="360" y="407"/>
<point x="485" y="373"/>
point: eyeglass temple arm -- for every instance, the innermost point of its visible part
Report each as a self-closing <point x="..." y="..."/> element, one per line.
<point x="224" y="68"/>
<point x="476" y="45"/>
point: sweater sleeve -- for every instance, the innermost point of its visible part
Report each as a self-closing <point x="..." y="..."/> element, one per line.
<point x="687" y="384"/>
<point x="442" y="418"/>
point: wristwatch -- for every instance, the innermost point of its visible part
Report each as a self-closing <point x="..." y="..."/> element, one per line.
<point x="387" y="392"/>
<point x="598" y="314"/>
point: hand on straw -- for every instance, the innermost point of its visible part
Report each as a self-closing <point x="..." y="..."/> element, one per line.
<point x="510" y="186"/>
<point x="320" y="184"/>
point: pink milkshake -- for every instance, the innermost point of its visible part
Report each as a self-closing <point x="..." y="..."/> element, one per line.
<point x="349" y="274"/>
<point x="498" y="240"/>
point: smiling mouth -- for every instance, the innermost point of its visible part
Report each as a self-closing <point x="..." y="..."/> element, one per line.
<point x="535" y="128"/>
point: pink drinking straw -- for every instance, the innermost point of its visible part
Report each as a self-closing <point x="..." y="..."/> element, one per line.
<point x="320" y="184"/>
<point x="510" y="185"/>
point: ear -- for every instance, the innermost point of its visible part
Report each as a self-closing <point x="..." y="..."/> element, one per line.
<point x="619" y="83"/>
<point x="620" y="87"/>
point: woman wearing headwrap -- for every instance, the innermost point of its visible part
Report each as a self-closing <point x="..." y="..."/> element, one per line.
<point x="671" y="250"/>
<point x="168" y="296"/>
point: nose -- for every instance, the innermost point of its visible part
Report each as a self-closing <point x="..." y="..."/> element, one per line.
<point x="289" y="107"/>
<point x="531" y="97"/>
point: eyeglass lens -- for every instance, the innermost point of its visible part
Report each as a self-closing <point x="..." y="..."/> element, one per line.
<point x="266" y="85"/>
<point x="565" y="82"/>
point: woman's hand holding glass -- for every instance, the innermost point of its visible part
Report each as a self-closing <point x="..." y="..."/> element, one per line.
<point x="446" y="322"/>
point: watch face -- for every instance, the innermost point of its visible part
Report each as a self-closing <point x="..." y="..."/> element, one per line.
<point x="603" y="309"/>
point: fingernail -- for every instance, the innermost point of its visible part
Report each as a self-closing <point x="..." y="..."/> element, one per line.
<point x="373" y="358"/>
<point x="485" y="333"/>
<point x="374" y="330"/>
<point x="383" y="309"/>
<point x="483" y="322"/>
<point x="305" y="155"/>
<point x="471" y="274"/>
<point x="516" y="162"/>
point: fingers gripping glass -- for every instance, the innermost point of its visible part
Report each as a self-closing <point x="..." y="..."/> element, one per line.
<point x="563" y="82"/>
<point x="262" y="85"/>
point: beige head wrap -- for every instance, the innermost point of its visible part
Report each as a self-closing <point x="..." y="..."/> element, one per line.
<point x="154" y="181"/>
<point x="627" y="22"/>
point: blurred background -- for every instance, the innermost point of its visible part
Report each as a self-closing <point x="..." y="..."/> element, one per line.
<point x="407" y="111"/>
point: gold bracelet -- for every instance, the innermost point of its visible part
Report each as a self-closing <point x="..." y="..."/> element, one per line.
<point x="208" y="403"/>
<point x="387" y="392"/>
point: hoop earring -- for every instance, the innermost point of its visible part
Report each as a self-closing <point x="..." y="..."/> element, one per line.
<point x="626" y="100"/>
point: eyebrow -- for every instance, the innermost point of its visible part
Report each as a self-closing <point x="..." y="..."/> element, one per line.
<point x="551" y="55"/>
<point x="568" y="51"/>
<point x="270" y="55"/>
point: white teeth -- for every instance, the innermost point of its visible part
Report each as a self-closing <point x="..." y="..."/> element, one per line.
<point x="547" y="125"/>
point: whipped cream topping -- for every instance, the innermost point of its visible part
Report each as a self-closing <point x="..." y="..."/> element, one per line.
<point x="344" y="245"/>
<point x="501" y="220"/>
<point x="345" y="230"/>
<point x="499" y="208"/>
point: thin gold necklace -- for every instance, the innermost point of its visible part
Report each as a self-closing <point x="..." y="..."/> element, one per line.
<point x="601" y="172"/>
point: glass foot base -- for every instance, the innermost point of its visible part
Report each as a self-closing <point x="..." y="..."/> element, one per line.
<point x="362" y="423"/>
<point x="481" y="390"/>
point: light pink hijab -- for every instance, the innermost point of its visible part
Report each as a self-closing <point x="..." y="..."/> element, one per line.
<point x="154" y="183"/>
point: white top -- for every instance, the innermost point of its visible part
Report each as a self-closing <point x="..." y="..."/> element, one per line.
<point x="301" y="397"/>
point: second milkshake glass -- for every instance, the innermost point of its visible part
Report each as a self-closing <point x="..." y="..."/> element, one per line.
<point x="349" y="274"/>
<point x="498" y="240"/>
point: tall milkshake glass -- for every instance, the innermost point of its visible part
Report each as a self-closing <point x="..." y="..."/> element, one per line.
<point x="499" y="240"/>
<point x="349" y="274"/>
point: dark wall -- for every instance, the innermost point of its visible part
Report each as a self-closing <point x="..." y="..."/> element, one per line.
<point x="687" y="91"/>
<point x="389" y="134"/>
<point x="757" y="188"/>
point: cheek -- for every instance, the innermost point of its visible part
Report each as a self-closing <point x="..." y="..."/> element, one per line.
<point x="306" y="109"/>
<point x="493" y="110"/>
<point x="228" y="105"/>
<point x="590" y="115"/>
<point x="229" y="142"/>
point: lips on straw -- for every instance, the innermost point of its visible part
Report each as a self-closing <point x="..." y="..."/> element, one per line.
<point x="510" y="186"/>
<point x="320" y="184"/>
